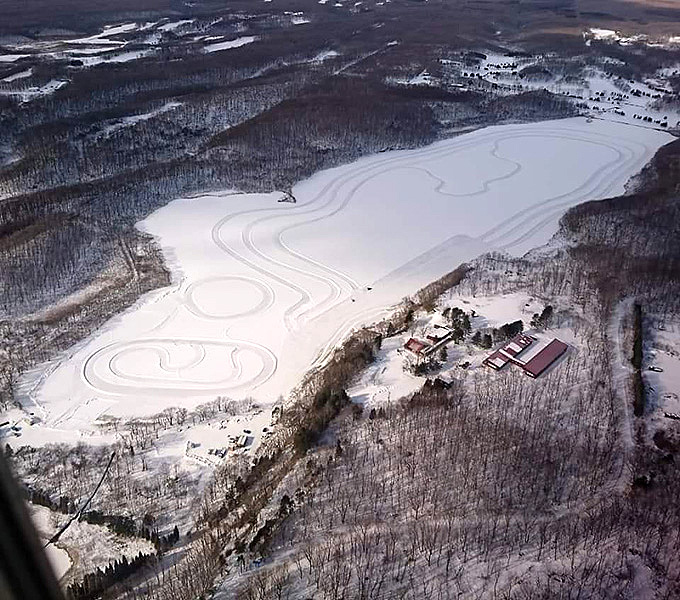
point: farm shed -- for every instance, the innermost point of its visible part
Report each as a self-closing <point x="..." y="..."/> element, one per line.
<point x="546" y="357"/>
<point x="508" y="351"/>
<point x="416" y="347"/>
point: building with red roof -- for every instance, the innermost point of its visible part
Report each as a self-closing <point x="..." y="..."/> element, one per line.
<point x="546" y="357"/>
<point x="416" y="347"/>
<point x="508" y="352"/>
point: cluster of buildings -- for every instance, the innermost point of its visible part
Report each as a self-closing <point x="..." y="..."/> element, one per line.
<point x="510" y="352"/>
<point x="421" y="349"/>
<point x="537" y="364"/>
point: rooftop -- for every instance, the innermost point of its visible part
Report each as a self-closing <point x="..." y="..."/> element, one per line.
<point x="539" y="363"/>
<point x="416" y="346"/>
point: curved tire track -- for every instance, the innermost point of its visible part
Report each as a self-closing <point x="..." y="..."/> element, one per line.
<point x="118" y="382"/>
<point x="291" y="269"/>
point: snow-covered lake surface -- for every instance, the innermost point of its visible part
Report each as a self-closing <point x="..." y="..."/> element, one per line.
<point x="263" y="290"/>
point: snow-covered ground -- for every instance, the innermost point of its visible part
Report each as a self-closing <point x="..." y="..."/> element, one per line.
<point x="105" y="47"/>
<point x="10" y="58"/>
<point x="134" y="119"/>
<point x="114" y="44"/>
<point x="175" y="25"/>
<point x="229" y="44"/>
<point x="109" y="31"/>
<point x="299" y="20"/>
<point x="387" y="379"/>
<point x="264" y="290"/>
<point x="598" y="93"/>
<point x="20" y="75"/>
<point x="83" y="547"/>
<point x="325" y="55"/>
<point x="28" y="94"/>
<point x="610" y="35"/>
<point x="662" y="372"/>
<point x="122" y="57"/>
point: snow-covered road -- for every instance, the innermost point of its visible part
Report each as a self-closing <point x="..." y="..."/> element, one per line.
<point x="264" y="289"/>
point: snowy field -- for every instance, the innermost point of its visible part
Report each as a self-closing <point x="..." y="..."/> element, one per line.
<point x="264" y="290"/>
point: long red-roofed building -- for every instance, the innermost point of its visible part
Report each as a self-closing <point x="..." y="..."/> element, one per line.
<point x="546" y="357"/>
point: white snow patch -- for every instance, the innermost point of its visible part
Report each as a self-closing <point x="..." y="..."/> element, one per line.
<point x="154" y="39"/>
<point x="325" y="55"/>
<point x="603" y="34"/>
<point x="37" y="91"/>
<point x="59" y="560"/>
<point x="8" y="58"/>
<point x="21" y="75"/>
<point x="237" y="43"/>
<point x="123" y="57"/>
<point x="175" y="25"/>
<point x="423" y="78"/>
<point x="107" y="32"/>
<point x="90" y="51"/>
<point x="132" y="120"/>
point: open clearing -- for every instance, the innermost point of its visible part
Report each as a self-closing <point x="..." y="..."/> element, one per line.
<point x="264" y="290"/>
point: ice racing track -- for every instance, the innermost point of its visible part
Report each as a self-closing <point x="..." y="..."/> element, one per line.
<point x="262" y="242"/>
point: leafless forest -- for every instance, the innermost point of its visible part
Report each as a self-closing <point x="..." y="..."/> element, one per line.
<point x="504" y="487"/>
<point x="491" y="487"/>
<point x="488" y="487"/>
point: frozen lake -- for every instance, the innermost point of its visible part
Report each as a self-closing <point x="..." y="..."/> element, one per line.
<point x="263" y="290"/>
